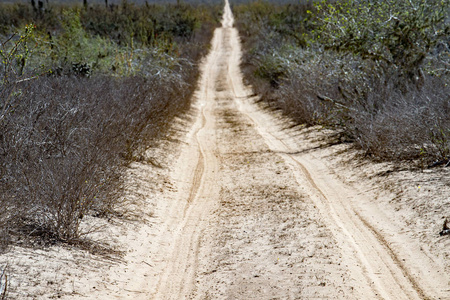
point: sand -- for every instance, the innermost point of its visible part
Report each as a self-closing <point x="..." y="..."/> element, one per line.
<point x="246" y="206"/>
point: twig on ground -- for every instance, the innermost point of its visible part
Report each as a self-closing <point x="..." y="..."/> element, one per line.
<point x="445" y="229"/>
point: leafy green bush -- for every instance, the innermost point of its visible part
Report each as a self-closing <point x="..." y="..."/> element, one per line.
<point x="123" y="39"/>
<point x="395" y="32"/>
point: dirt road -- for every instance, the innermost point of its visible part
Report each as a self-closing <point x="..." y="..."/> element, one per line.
<point x="247" y="209"/>
<point x="257" y="217"/>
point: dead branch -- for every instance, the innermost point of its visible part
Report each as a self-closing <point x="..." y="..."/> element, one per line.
<point x="3" y="283"/>
<point x="334" y="102"/>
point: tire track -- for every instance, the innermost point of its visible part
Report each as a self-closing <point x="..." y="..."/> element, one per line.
<point x="178" y="278"/>
<point x="384" y="273"/>
<point x="397" y="284"/>
<point x="376" y="268"/>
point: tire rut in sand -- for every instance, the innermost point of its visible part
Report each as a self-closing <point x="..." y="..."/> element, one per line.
<point x="385" y="277"/>
<point x="266" y="239"/>
<point x="265" y="220"/>
<point x="383" y="271"/>
<point x="178" y="278"/>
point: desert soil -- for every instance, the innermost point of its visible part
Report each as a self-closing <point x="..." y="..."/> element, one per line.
<point x="246" y="206"/>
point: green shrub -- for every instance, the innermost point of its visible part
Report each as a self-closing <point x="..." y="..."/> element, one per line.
<point x="397" y="33"/>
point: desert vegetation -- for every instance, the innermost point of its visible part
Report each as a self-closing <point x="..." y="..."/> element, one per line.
<point x="84" y="91"/>
<point x="376" y="71"/>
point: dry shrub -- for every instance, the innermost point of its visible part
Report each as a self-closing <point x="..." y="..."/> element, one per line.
<point x="387" y="116"/>
<point x="406" y="126"/>
<point x="65" y="138"/>
<point x="386" y="108"/>
<point x="65" y="144"/>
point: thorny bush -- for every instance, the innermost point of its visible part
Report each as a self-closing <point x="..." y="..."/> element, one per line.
<point x="378" y="72"/>
<point x="77" y="106"/>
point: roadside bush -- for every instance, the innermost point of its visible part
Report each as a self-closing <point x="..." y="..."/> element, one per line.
<point x="375" y="71"/>
<point x="394" y="33"/>
<point x="119" y="39"/>
<point x="76" y="107"/>
<point x="65" y="159"/>
<point x="266" y="29"/>
<point x="367" y="106"/>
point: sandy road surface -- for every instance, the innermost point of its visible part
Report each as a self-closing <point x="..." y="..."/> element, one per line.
<point x="244" y="208"/>
<point x="264" y="219"/>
